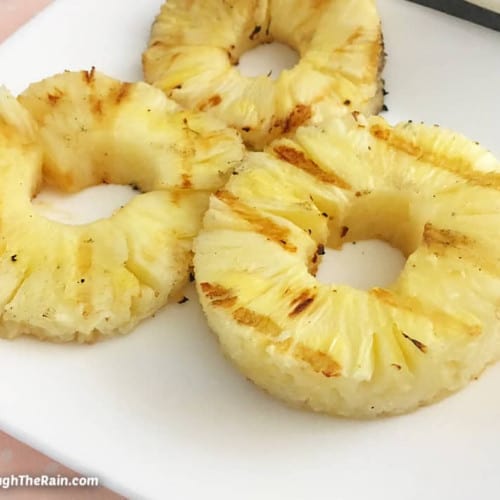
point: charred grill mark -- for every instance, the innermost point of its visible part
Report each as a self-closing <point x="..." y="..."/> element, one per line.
<point x="214" y="291"/>
<point x="413" y="306"/>
<point x="255" y="32"/>
<point x="299" y="160"/>
<point x="54" y="96"/>
<point x="353" y="39"/>
<point x="320" y="250"/>
<point x="460" y="246"/>
<point x="383" y="134"/>
<point x="419" y="345"/>
<point x="211" y="102"/>
<point x="457" y="165"/>
<point x="186" y="181"/>
<point x="215" y="100"/>
<point x="123" y="92"/>
<point x="389" y="298"/>
<point x="301" y="306"/>
<point x="263" y="225"/>
<point x="300" y="115"/>
<point x="445" y="237"/>
<point x="218" y="295"/>
<point x="96" y="107"/>
<point x="304" y="295"/>
<point x="225" y="303"/>
<point x="302" y="302"/>
<point x="89" y="76"/>
<point x="319" y="361"/>
<point x="261" y="323"/>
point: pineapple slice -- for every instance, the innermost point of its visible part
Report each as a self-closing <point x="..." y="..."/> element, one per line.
<point x="62" y="282"/>
<point x="194" y="61"/>
<point x="331" y="348"/>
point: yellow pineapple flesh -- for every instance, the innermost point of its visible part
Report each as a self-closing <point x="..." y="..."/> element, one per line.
<point x="332" y="348"/>
<point x="62" y="282"/>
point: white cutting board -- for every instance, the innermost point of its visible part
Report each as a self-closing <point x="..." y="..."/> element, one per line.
<point x="160" y="413"/>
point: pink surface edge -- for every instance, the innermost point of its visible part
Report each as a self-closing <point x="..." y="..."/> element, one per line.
<point x="14" y="13"/>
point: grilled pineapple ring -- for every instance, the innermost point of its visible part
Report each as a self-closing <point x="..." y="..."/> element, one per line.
<point x="195" y="46"/>
<point x="332" y="348"/>
<point x="63" y="282"/>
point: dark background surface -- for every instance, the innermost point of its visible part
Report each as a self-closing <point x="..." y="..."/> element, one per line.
<point x="465" y="10"/>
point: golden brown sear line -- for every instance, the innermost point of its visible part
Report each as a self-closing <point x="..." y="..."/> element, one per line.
<point x="123" y="92"/>
<point x="463" y="247"/>
<point x="319" y="361"/>
<point x="96" y="107"/>
<point x="261" y="224"/>
<point x="299" y="160"/>
<point x="301" y="306"/>
<point x="263" y="324"/>
<point x="351" y="40"/>
<point x="300" y="115"/>
<point x="458" y="165"/>
<point x="53" y="97"/>
<point x="226" y="303"/>
<point x="211" y="102"/>
<point x="419" y="345"/>
<point x="214" y="290"/>
<point x="186" y="181"/>
<point x="412" y="305"/>
<point x="445" y="237"/>
<point x="302" y="302"/>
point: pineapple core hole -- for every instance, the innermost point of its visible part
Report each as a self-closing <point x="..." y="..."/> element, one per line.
<point x="84" y="207"/>
<point x="268" y="59"/>
<point x="363" y="265"/>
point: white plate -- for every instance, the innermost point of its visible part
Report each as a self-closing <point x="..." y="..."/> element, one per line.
<point x="160" y="413"/>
